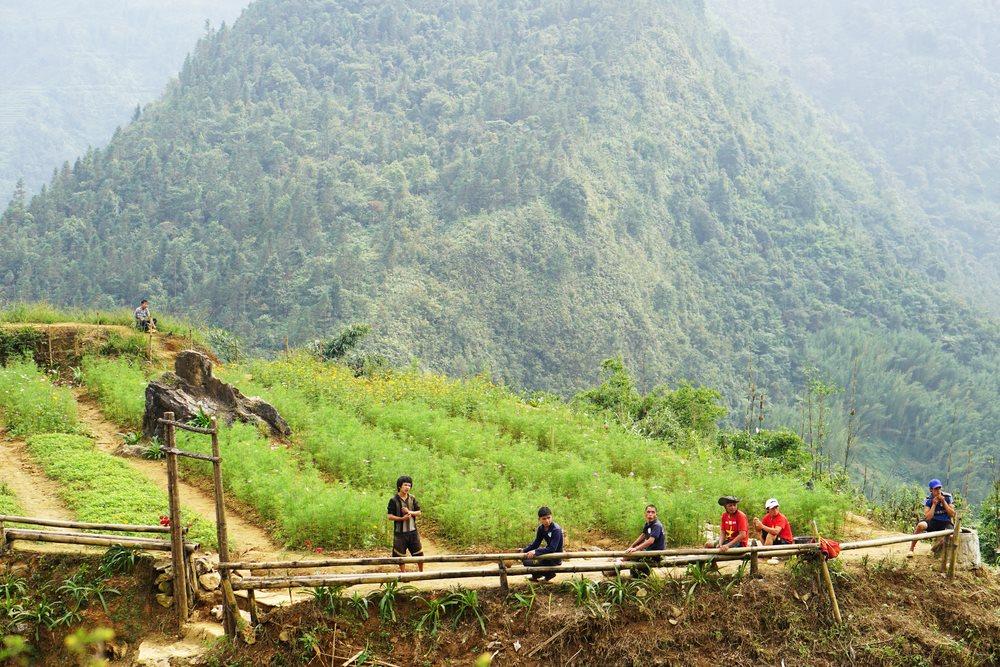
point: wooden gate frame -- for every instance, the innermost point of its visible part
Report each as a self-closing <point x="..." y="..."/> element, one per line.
<point x="176" y="529"/>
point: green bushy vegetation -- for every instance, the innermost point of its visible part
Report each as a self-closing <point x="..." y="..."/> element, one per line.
<point x="636" y="187"/>
<point x="505" y="456"/>
<point x="40" y="312"/>
<point x="290" y="493"/>
<point x="29" y="403"/>
<point x="119" y="387"/>
<point x="101" y="488"/>
<point x="8" y="501"/>
<point x="17" y="342"/>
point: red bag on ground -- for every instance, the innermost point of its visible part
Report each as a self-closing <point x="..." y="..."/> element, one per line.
<point x="830" y="548"/>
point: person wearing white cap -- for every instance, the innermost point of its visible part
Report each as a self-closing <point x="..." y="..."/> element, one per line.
<point x="774" y="525"/>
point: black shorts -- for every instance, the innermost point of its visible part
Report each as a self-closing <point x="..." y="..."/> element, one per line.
<point x="936" y="524"/>
<point x="780" y="540"/>
<point x="410" y="540"/>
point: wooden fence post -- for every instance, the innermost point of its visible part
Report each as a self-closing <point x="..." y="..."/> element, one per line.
<point x="228" y="613"/>
<point x="826" y="576"/>
<point x="954" y="547"/>
<point x="176" y="528"/>
<point x="3" y="539"/>
<point x="503" y="577"/>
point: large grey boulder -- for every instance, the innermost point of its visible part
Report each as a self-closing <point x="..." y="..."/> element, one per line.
<point x="191" y="386"/>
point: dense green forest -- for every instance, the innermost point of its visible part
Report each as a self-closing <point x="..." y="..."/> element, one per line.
<point x="525" y="190"/>
<point x="918" y="81"/>
<point x="76" y="69"/>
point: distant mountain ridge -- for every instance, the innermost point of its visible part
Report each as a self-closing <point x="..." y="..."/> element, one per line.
<point x="523" y="189"/>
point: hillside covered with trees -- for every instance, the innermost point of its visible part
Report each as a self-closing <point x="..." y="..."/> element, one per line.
<point x="525" y="190"/>
<point x="917" y="81"/>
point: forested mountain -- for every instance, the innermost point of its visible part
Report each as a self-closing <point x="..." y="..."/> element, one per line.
<point x="917" y="80"/>
<point x="75" y="69"/>
<point x="525" y="188"/>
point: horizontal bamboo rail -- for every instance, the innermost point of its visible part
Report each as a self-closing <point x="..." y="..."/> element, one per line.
<point x="492" y="558"/>
<point x="80" y="525"/>
<point x="191" y="455"/>
<point x="882" y="541"/>
<point x="186" y="427"/>
<point x="671" y="558"/>
<point x="92" y="539"/>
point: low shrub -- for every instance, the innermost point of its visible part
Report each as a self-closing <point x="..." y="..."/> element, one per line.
<point x="119" y="386"/>
<point x="102" y="488"/>
<point x="30" y="404"/>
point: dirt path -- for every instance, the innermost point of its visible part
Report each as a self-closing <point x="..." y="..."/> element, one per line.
<point x="246" y="539"/>
<point x="37" y="494"/>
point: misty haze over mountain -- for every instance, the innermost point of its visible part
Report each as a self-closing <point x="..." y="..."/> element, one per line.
<point x="73" y="70"/>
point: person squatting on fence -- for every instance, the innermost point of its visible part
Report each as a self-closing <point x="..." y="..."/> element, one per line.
<point x="551" y="534"/>
<point x="939" y="512"/>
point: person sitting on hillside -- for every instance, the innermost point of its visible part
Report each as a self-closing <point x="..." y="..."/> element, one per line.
<point x="939" y="512"/>
<point x="735" y="526"/>
<point x="551" y="534"/>
<point x="143" y="320"/>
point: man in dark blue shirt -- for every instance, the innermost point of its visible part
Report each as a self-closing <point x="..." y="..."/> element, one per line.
<point x="939" y="511"/>
<point x="551" y="534"/>
<point x="651" y="538"/>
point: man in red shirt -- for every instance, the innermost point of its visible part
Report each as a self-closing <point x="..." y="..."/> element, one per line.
<point x="735" y="526"/>
<point x="774" y="525"/>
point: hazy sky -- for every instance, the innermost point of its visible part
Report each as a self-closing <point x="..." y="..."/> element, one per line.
<point x="74" y="70"/>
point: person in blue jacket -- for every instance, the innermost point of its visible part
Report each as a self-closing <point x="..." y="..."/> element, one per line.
<point x="939" y="512"/>
<point x="551" y="534"/>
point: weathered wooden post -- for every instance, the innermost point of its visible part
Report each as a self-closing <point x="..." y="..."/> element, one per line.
<point x="176" y="528"/>
<point x="826" y="575"/>
<point x="945" y="546"/>
<point x="954" y="547"/>
<point x="3" y="540"/>
<point x="228" y="612"/>
<point x="503" y="577"/>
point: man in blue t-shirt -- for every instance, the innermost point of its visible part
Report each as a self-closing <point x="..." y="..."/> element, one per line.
<point x="939" y="512"/>
<point x="651" y="538"/>
<point x="551" y="534"/>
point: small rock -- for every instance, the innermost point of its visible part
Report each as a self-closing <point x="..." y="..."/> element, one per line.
<point x="166" y="576"/>
<point x="118" y="649"/>
<point x="284" y="636"/>
<point x="210" y="581"/>
<point x="164" y="600"/>
<point x="166" y="587"/>
<point x="517" y="645"/>
<point x="217" y="612"/>
<point x="202" y="565"/>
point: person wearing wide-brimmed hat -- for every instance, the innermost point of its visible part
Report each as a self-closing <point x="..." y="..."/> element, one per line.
<point x="735" y="526"/>
<point x="939" y="512"/>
